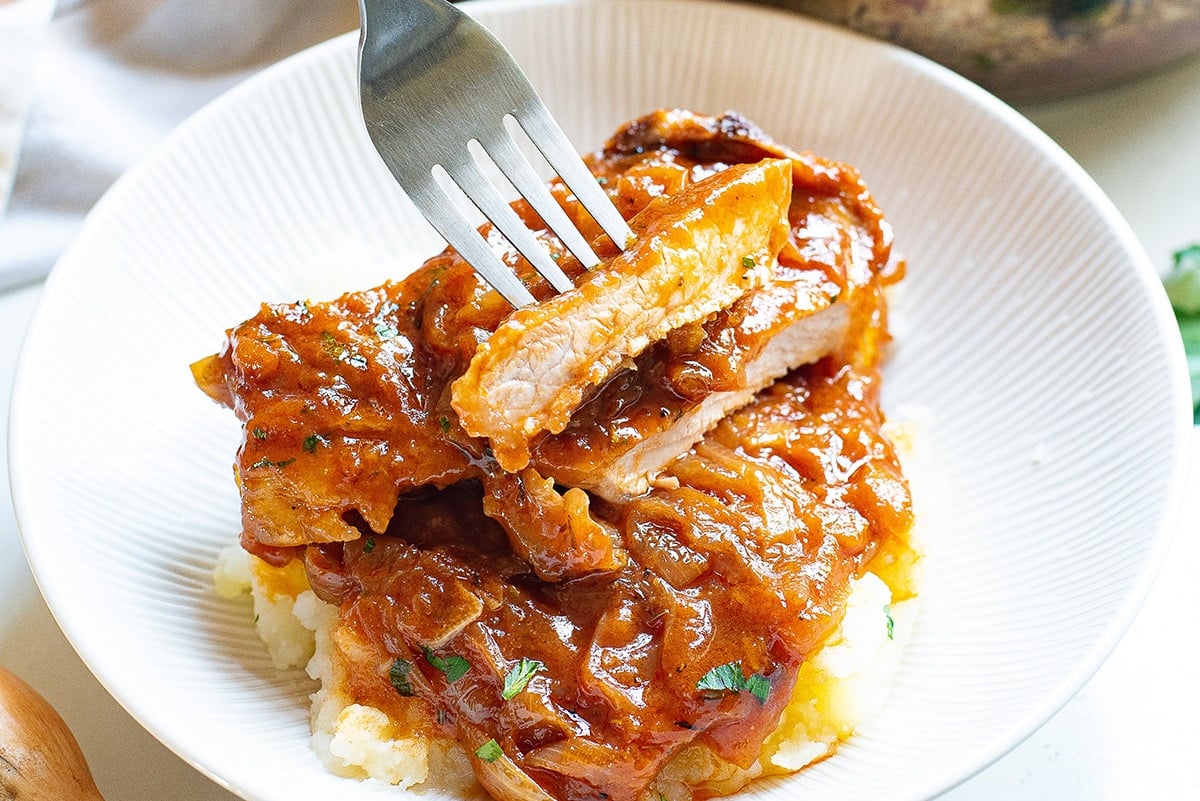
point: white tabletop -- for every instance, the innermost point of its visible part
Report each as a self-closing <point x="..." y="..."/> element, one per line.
<point x="1129" y="734"/>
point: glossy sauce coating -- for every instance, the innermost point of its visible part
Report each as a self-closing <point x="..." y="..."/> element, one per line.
<point x="746" y="561"/>
<point x="345" y="404"/>
<point x="739" y="558"/>
<point x="693" y="254"/>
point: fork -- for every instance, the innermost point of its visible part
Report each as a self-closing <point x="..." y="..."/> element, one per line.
<point x="431" y="82"/>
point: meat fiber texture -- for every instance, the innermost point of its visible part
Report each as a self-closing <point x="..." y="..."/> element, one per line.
<point x="348" y="404"/>
<point x="844" y="685"/>
<point x="701" y="250"/>
<point x="707" y="537"/>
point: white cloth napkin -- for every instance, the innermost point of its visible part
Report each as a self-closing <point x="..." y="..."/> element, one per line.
<point x="21" y="26"/>
<point x="105" y="81"/>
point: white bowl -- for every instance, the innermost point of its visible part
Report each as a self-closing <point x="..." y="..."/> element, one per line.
<point x="1030" y="327"/>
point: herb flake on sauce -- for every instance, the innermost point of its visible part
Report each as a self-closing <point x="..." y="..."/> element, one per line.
<point x="454" y="666"/>
<point x="518" y="678"/>
<point x="489" y="751"/>
<point x="398" y="673"/>
<point x="730" y="678"/>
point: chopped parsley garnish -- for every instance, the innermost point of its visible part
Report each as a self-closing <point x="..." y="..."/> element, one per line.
<point x="435" y="275"/>
<point x="1183" y="290"/>
<point x="369" y="545"/>
<point x="259" y="433"/>
<point x="891" y="624"/>
<point x="454" y="666"/>
<point x="725" y="678"/>
<point x="311" y="442"/>
<point x="489" y="751"/>
<point x="339" y="352"/>
<point x="333" y="349"/>
<point x="265" y="462"/>
<point x="748" y="262"/>
<point x="759" y="686"/>
<point x="383" y="325"/>
<point x="398" y="673"/>
<point x="518" y="678"/>
<point x="729" y="678"/>
<point x="444" y="422"/>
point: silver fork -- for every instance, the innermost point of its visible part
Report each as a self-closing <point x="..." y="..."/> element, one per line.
<point x="431" y="81"/>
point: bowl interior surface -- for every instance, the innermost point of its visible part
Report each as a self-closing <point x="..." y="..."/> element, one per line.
<point x="1030" y="331"/>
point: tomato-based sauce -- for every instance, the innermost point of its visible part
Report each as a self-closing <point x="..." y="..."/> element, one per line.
<point x="745" y="562"/>
<point x="574" y="642"/>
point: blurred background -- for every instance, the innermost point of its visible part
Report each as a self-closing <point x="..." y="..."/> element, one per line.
<point x="111" y="77"/>
<point x="1027" y="50"/>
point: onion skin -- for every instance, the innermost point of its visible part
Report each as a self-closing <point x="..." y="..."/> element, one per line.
<point x="40" y="759"/>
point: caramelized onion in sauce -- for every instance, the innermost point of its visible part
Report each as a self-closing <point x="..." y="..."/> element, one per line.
<point x="644" y="621"/>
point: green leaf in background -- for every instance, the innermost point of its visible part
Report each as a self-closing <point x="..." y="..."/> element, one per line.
<point x="1183" y="282"/>
<point x="1183" y="288"/>
<point x="1190" y="328"/>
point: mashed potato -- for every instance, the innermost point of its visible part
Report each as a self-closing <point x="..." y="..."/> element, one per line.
<point x="838" y="689"/>
<point x="646" y="610"/>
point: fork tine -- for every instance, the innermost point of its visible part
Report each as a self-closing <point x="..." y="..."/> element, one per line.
<point x="475" y="185"/>
<point x="549" y="138"/>
<point x="445" y="217"/>
<point x="407" y="51"/>
<point x="512" y="162"/>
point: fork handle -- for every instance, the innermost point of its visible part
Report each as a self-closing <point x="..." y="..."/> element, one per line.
<point x="395" y="44"/>
<point x="393" y="33"/>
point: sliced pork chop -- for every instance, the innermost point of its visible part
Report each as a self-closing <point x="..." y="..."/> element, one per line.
<point x="696" y="252"/>
<point x="826" y="295"/>
<point x="617" y="473"/>
<point x="346" y="404"/>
